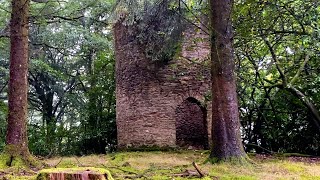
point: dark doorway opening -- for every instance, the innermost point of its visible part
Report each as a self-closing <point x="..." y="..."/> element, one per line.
<point x="191" y="125"/>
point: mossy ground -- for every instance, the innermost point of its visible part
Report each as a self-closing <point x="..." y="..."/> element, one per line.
<point x="16" y="168"/>
<point x="18" y="164"/>
<point x="13" y="157"/>
<point x="167" y="165"/>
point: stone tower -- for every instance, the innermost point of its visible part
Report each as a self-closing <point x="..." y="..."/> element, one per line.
<point x="163" y="105"/>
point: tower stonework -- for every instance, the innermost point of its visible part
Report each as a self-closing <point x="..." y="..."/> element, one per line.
<point x="163" y="104"/>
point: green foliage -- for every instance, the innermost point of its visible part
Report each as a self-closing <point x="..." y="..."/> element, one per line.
<point x="273" y="117"/>
<point x="71" y="78"/>
<point x="72" y="64"/>
<point x="156" y="26"/>
<point x="4" y="56"/>
<point x="3" y="123"/>
<point x="36" y="137"/>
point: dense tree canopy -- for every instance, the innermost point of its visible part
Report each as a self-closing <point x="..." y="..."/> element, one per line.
<point x="71" y="76"/>
<point x="277" y="47"/>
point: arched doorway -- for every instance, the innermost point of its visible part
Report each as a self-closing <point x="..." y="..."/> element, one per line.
<point x="191" y="124"/>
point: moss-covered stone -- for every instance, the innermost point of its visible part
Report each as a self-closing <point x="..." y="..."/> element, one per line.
<point x="70" y="173"/>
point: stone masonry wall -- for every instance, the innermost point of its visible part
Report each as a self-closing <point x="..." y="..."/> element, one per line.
<point x="148" y="95"/>
<point x="191" y="129"/>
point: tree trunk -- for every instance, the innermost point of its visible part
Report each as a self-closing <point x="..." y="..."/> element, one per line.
<point x="16" y="139"/>
<point x="43" y="87"/>
<point x="227" y="145"/>
<point x="49" y="118"/>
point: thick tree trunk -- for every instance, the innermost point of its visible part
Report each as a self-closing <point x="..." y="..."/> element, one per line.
<point x="49" y="119"/>
<point x="45" y="94"/>
<point x="18" y="83"/>
<point x="16" y="139"/>
<point x="226" y="138"/>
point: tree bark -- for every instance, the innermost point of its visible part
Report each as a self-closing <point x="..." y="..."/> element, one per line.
<point x="227" y="145"/>
<point x="16" y="139"/>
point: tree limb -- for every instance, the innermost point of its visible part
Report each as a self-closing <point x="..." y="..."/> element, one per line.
<point x="5" y="85"/>
<point x="276" y="61"/>
<point x="295" y="78"/>
<point x="198" y="169"/>
<point x="5" y="33"/>
<point x="40" y="1"/>
<point x="192" y="23"/>
<point x="311" y="107"/>
<point x="264" y="149"/>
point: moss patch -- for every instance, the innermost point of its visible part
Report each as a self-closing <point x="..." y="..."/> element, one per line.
<point x="16" y="164"/>
<point x="4" y="160"/>
<point x="19" y="162"/>
<point x="15" y="177"/>
<point x="293" y="167"/>
<point x="14" y="157"/>
<point x="236" y="160"/>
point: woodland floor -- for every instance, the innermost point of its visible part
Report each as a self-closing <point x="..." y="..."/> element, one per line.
<point x="178" y="165"/>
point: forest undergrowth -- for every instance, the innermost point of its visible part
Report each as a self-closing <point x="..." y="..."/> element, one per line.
<point x="179" y="165"/>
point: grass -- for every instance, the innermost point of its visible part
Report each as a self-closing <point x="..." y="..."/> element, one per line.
<point x="170" y="165"/>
